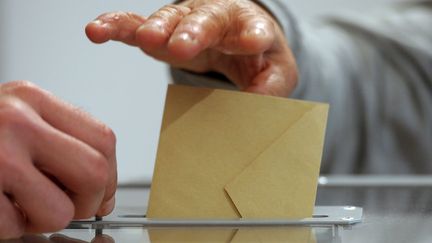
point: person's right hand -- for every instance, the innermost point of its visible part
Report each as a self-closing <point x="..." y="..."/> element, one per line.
<point x="57" y="163"/>
<point x="237" y="38"/>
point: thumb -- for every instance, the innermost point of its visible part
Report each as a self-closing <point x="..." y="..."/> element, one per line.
<point x="275" y="80"/>
<point x="103" y="239"/>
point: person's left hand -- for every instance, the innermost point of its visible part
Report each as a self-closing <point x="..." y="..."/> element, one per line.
<point x="57" y="162"/>
<point x="59" y="238"/>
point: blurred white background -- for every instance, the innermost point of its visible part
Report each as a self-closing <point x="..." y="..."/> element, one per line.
<point x="44" y="41"/>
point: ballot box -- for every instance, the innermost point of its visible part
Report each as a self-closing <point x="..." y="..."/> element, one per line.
<point x="381" y="209"/>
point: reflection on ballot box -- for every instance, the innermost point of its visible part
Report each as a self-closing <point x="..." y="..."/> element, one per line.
<point x="244" y="235"/>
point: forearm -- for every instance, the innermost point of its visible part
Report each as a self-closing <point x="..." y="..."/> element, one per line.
<point x="375" y="72"/>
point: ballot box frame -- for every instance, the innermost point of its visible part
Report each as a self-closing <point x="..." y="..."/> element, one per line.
<point x="323" y="216"/>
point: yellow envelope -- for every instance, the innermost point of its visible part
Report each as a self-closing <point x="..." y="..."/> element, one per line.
<point x="226" y="154"/>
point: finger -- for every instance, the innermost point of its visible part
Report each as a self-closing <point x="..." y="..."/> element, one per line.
<point x="12" y="223"/>
<point x="203" y="27"/>
<point x="77" y="166"/>
<point x="249" y="32"/>
<point x="45" y="206"/>
<point x="35" y="239"/>
<point x="103" y="239"/>
<point x="153" y="35"/>
<point x="256" y="30"/>
<point x="119" y="26"/>
<point x="257" y="35"/>
<point x="106" y="207"/>
<point x="70" y="162"/>
<point x="72" y="121"/>
<point x="273" y="81"/>
<point x="59" y="238"/>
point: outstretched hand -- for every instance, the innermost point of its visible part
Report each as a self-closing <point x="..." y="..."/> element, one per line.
<point x="237" y="38"/>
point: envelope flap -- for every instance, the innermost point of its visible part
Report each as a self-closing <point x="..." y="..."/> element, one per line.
<point x="281" y="182"/>
<point x="179" y="103"/>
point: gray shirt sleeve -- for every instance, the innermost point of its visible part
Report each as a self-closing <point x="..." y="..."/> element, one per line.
<point x="375" y="71"/>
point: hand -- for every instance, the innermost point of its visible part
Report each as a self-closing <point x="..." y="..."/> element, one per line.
<point x="56" y="162"/>
<point x="234" y="37"/>
<point x="57" y="238"/>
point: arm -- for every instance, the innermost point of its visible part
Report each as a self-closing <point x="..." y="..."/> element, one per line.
<point x="374" y="71"/>
<point x="376" y="74"/>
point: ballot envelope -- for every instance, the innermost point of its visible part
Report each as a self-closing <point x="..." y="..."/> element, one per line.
<point x="230" y="161"/>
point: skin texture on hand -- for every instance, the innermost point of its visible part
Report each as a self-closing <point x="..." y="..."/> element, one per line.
<point x="234" y="37"/>
<point x="57" y="163"/>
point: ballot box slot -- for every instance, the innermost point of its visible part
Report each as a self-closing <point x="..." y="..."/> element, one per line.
<point x="323" y="216"/>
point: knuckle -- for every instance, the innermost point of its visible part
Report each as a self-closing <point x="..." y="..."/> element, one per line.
<point x="20" y="87"/>
<point x="216" y="15"/>
<point x="109" y="140"/>
<point x="113" y="16"/>
<point x="97" y="174"/>
<point x="244" y="13"/>
<point x="13" y="115"/>
<point x="122" y="17"/>
<point x="169" y="11"/>
<point x="249" y="6"/>
<point x="13" y="168"/>
<point x="9" y="104"/>
<point x="247" y="15"/>
<point x="7" y="164"/>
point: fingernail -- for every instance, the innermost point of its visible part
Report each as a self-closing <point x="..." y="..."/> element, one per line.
<point x="103" y="239"/>
<point x="106" y="207"/>
<point x="258" y="30"/>
<point x="184" y="37"/>
<point x="97" y="22"/>
<point x="100" y="23"/>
